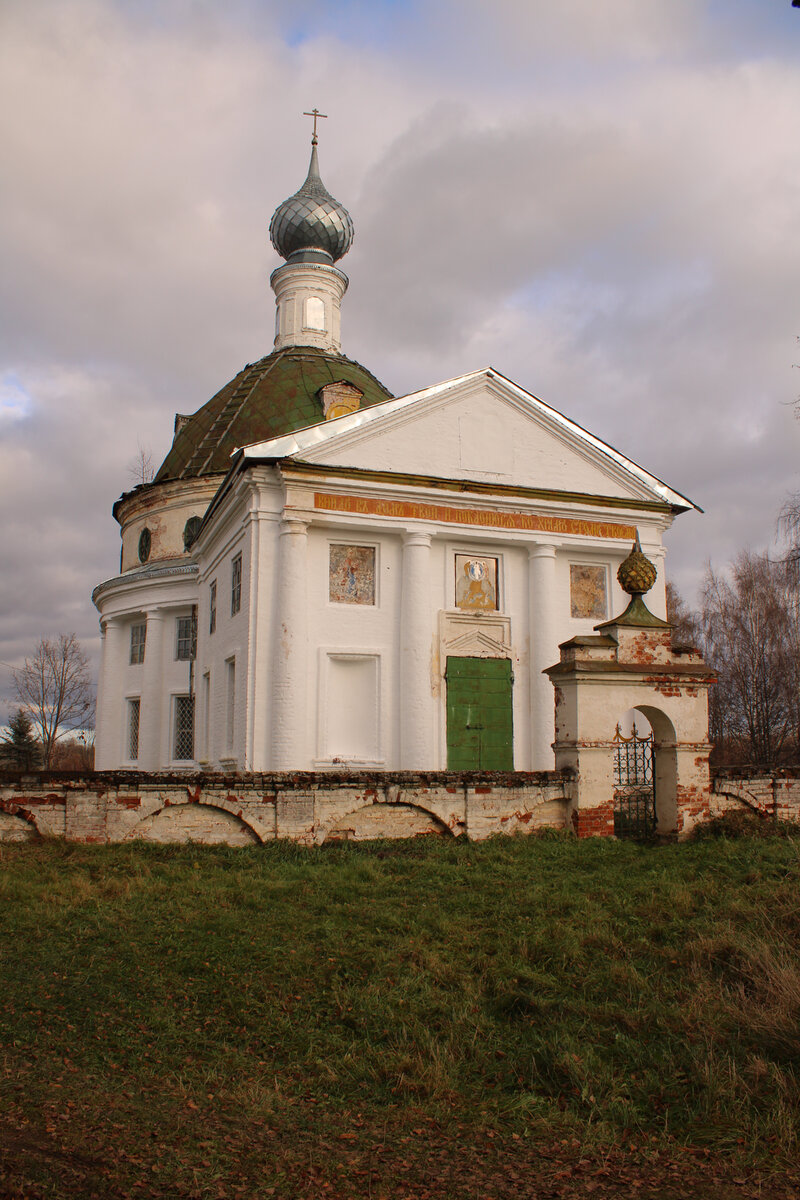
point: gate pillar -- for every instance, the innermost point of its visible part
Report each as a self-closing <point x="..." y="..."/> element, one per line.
<point x="630" y="662"/>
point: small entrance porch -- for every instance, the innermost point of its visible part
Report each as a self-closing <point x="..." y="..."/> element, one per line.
<point x="629" y="788"/>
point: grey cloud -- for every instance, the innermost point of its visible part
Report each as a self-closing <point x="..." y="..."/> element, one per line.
<point x="620" y="241"/>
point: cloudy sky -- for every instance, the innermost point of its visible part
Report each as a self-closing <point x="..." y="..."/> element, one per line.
<point x="601" y="200"/>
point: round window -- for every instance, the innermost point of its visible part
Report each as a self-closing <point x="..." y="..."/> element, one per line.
<point x="145" y="542"/>
<point x="190" y="531"/>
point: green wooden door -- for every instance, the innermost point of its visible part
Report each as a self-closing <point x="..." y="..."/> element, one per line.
<point x="479" y="728"/>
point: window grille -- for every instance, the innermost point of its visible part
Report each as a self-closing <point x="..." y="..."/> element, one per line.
<point x="183" y="739"/>
<point x="186" y="644"/>
<point x="134" y="710"/>
<point x="212" y="606"/>
<point x="236" y="585"/>
<point x="138" y="638"/>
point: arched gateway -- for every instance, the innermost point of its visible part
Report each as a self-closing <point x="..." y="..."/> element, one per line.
<point x="631" y="663"/>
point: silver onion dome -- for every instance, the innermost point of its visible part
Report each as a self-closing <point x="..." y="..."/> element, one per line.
<point x="311" y="225"/>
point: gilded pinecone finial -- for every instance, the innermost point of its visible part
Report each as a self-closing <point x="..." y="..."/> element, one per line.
<point x="636" y="573"/>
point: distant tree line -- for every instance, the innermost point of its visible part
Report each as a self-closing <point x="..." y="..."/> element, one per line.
<point x="748" y="627"/>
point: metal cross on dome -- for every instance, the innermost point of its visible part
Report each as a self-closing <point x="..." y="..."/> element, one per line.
<point x="315" y="113"/>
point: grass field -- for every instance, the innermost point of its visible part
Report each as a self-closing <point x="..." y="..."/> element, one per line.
<point x="534" y="1017"/>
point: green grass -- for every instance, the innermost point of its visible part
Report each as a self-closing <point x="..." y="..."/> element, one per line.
<point x="399" y="1019"/>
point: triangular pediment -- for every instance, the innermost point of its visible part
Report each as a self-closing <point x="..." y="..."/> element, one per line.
<point x="480" y="427"/>
<point x="475" y="635"/>
<point x="478" y="645"/>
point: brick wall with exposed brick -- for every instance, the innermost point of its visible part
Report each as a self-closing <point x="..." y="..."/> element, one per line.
<point x="306" y="808"/>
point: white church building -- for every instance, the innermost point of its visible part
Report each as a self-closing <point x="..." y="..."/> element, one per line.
<point x="325" y="577"/>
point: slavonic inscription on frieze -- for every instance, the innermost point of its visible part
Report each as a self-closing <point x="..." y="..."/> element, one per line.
<point x="411" y="510"/>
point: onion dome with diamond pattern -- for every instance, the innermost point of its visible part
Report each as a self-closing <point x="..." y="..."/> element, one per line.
<point x="636" y="573"/>
<point x="311" y="226"/>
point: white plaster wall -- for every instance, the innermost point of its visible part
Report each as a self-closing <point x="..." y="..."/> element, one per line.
<point x="354" y="629"/>
<point x="294" y="284"/>
<point x="483" y="436"/>
<point x="364" y="630"/>
<point x="130" y="682"/>
<point x="512" y="602"/>
<point x="248" y="521"/>
<point x="229" y="640"/>
<point x="175" y="678"/>
<point x="608" y="554"/>
<point x="124" y="603"/>
<point x="263" y="623"/>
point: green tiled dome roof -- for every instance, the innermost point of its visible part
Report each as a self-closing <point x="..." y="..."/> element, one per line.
<point x="267" y="399"/>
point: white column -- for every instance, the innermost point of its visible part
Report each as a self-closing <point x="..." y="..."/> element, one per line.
<point x="417" y="713"/>
<point x="251" y="656"/>
<point x="544" y="652"/>
<point x="153" y="713"/>
<point x="291" y="717"/>
<point x="657" y="600"/>
<point x="110" y="712"/>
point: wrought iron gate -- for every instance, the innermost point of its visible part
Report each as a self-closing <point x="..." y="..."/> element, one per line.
<point x="634" y="786"/>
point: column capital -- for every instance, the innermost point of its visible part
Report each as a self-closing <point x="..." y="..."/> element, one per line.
<point x="416" y="537"/>
<point x="542" y="550"/>
<point x="295" y="526"/>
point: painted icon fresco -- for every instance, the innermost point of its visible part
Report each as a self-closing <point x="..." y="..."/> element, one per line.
<point x="476" y="582"/>
<point x="587" y="588"/>
<point x="351" y="577"/>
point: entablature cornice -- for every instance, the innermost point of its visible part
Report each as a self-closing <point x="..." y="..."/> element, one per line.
<point x="392" y="508"/>
<point x="162" y="586"/>
<point x="308" y="472"/>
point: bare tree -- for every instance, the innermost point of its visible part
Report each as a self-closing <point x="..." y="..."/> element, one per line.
<point x="141" y="469"/>
<point x="749" y="628"/>
<point x="685" y="623"/>
<point x="54" y="689"/>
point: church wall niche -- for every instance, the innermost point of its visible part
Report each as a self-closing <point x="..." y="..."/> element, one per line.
<point x="351" y="709"/>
